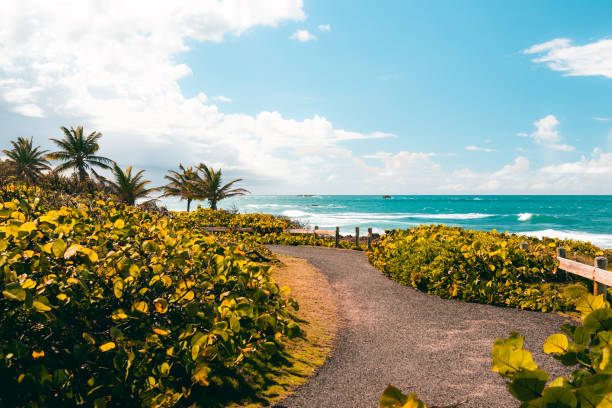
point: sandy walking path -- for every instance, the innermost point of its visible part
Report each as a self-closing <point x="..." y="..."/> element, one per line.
<point x="393" y="334"/>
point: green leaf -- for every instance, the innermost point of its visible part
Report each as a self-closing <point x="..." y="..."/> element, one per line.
<point x="41" y="304"/>
<point x="557" y="343"/>
<point x="557" y="397"/>
<point x="393" y="398"/>
<point x="58" y="248"/>
<point x="600" y="319"/>
<point x="14" y="291"/>
<point x="118" y="287"/>
<point x="509" y="359"/>
<point x="528" y="385"/>
<point x="589" y="303"/>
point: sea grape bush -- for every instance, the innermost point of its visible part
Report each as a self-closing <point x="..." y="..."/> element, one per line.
<point x="268" y="229"/>
<point x="587" y="348"/>
<point x="476" y="266"/>
<point x="261" y="223"/>
<point x="107" y="305"/>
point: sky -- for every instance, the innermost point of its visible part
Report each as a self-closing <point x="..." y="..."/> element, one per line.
<point x="323" y="97"/>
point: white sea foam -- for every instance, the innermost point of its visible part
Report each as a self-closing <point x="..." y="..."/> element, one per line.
<point x="460" y="216"/>
<point x="601" y="240"/>
<point x="525" y="216"/>
<point x="295" y="213"/>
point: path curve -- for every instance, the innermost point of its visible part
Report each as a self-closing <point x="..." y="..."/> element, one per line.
<point x="393" y="334"/>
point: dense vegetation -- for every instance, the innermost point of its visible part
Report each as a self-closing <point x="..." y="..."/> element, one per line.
<point x="484" y="267"/>
<point x="107" y="305"/>
<point x="267" y="228"/>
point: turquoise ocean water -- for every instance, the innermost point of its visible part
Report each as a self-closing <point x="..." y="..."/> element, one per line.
<point x="586" y="218"/>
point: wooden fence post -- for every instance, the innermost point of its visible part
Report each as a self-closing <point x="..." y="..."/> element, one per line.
<point x="337" y="236"/>
<point x="370" y="239"/>
<point x="315" y="231"/>
<point x="525" y="245"/>
<point x="601" y="262"/>
<point x="356" y="236"/>
<point x="562" y="253"/>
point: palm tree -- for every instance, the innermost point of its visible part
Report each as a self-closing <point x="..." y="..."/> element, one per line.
<point x="179" y="185"/>
<point x="126" y="187"/>
<point x="79" y="153"/>
<point x="27" y="161"/>
<point x="209" y="186"/>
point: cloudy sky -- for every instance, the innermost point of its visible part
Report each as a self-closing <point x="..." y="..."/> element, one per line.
<point x="329" y="97"/>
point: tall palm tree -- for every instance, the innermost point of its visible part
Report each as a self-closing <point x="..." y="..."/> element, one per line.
<point x="179" y="185"/>
<point x="27" y="161"/>
<point x="79" y="153"/>
<point x="208" y="186"/>
<point x="127" y="187"/>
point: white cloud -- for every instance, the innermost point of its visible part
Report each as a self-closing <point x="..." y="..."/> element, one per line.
<point x="592" y="59"/>
<point x="547" y="134"/>
<point x="481" y="149"/>
<point x="222" y="98"/>
<point x="303" y="36"/>
<point x="324" y="27"/>
<point x="119" y="76"/>
<point x="603" y="119"/>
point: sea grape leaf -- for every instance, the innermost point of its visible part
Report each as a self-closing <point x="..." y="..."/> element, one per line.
<point x="556" y="343"/>
<point x="589" y="303"/>
<point x="528" y="385"/>
<point x="558" y="397"/>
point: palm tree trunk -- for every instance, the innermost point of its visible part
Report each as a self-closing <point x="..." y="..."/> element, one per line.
<point x="188" y="204"/>
<point x="213" y="204"/>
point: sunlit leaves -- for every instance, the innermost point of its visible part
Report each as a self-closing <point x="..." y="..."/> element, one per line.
<point x="394" y="398"/>
<point x="143" y="303"/>
<point x="556" y="343"/>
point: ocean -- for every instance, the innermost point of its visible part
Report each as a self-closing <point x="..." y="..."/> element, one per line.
<point x="584" y="218"/>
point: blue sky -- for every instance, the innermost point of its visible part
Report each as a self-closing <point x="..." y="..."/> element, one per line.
<point x="397" y="96"/>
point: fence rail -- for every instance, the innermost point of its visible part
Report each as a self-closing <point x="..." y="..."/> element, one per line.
<point x="598" y="273"/>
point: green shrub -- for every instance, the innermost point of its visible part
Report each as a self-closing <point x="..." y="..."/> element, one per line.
<point x="475" y="266"/>
<point x="107" y="305"/>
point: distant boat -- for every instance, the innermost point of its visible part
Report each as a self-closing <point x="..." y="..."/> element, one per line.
<point x="387" y="196"/>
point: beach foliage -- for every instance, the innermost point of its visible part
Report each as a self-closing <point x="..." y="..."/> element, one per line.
<point x="127" y="187"/>
<point x="587" y="349"/>
<point x="477" y="266"/>
<point x="105" y="305"/>
<point x="208" y="185"/>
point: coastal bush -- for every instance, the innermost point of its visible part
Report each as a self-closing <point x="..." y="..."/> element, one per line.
<point x="105" y="305"/>
<point x="586" y="348"/>
<point x="261" y="223"/>
<point x="268" y="229"/>
<point x="476" y="266"/>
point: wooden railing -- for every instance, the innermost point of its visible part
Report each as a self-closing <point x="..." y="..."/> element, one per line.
<point x="598" y="273"/>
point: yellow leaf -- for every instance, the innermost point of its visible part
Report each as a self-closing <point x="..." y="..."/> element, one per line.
<point x="62" y="297"/>
<point x="28" y="284"/>
<point x="72" y="281"/>
<point x="556" y="343"/>
<point x="161" y="305"/>
<point x="141" y="307"/>
<point x="161" y="332"/>
<point x="118" y="287"/>
<point x="107" y="346"/>
<point x="119" y="224"/>
<point x="119" y="314"/>
<point x="88" y="338"/>
<point x="38" y="354"/>
<point x="27" y="226"/>
<point x="70" y="252"/>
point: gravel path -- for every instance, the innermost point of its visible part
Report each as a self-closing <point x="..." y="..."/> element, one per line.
<point x="393" y="334"/>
